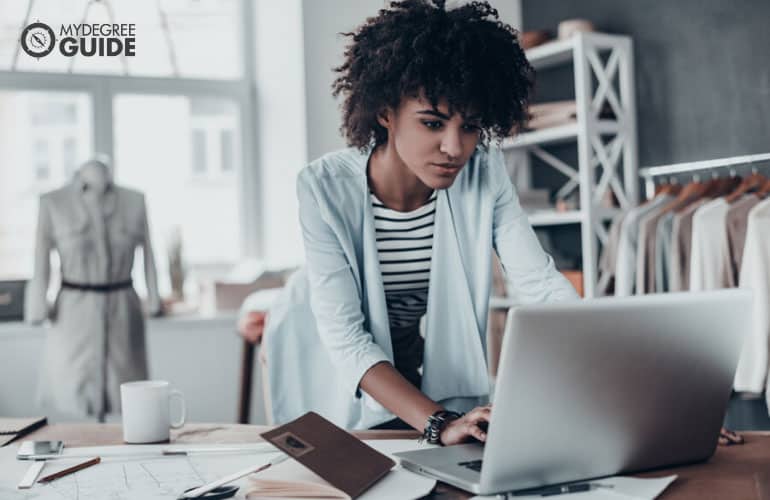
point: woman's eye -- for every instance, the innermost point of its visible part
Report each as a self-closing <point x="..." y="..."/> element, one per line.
<point x="471" y="128"/>
<point x="434" y="124"/>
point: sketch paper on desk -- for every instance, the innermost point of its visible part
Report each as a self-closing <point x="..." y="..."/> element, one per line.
<point x="164" y="478"/>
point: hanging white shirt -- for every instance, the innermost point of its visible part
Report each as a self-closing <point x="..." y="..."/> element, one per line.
<point x="709" y="241"/>
<point x="751" y="374"/>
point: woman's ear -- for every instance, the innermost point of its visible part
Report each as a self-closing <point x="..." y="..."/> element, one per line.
<point x="385" y="117"/>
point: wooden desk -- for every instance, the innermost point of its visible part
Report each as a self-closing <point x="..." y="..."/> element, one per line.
<point x="733" y="473"/>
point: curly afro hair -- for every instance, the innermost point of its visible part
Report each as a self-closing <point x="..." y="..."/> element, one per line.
<point x="465" y="55"/>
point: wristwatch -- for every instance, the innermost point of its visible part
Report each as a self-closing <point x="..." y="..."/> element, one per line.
<point x="436" y="424"/>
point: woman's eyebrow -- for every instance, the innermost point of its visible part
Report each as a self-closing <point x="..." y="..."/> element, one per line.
<point x="433" y="112"/>
<point x="439" y="114"/>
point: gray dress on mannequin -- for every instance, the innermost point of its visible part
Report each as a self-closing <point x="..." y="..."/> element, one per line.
<point x="97" y="336"/>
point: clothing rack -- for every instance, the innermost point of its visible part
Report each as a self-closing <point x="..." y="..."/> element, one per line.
<point x="650" y="173"/>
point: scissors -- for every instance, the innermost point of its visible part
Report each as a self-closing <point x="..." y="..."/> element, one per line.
<point x="218" y="493"/>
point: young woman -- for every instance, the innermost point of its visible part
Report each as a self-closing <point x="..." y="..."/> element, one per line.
<point x="403" y="225"/>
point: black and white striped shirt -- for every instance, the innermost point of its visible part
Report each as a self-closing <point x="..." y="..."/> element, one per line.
<point x="404" y="246"/>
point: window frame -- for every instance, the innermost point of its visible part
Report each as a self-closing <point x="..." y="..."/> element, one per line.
<point x="102" y="89"/>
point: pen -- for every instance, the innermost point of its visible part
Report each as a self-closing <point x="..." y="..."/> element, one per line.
<point x="197" y="492"/>
<point x="549" y="491"/>
<point x="561" y="490"/>
<point x="69" y="470"/>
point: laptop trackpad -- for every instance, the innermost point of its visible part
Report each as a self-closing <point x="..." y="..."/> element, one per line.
<point x="447" y="456"/>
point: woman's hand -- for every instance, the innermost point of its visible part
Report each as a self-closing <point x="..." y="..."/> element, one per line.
<point x="472" y="425"/>
<point x="252" y="325"/>
<point x="728" y="437"/>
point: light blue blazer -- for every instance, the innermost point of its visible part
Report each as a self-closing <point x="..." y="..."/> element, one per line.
<point x="330" y="325"/>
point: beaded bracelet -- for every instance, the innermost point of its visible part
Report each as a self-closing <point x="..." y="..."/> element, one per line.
<point x="436" y="424"/>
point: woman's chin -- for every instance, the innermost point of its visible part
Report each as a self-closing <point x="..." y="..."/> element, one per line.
<point x="440" y="181"/>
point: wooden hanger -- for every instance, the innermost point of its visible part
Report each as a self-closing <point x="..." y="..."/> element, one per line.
<point x="689" y="193"/>
<point x="661" y="189"/>
<point x="668" y="188"/>
<point x="723" y="186"/>
<point x="749" y="184"/>
<point x="764" y="190"/>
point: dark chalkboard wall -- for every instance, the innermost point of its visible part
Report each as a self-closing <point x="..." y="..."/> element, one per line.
<point x="702" y="71"/>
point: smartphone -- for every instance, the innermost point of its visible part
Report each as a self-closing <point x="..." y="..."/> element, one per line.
<point x="33" y="450"/>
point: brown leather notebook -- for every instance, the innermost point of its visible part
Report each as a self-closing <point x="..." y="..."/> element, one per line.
<point x="13" y="428"/>
<point x="335" y="455"/>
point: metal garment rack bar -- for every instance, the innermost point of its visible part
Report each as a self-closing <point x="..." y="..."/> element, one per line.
<point x="649" y="173"/>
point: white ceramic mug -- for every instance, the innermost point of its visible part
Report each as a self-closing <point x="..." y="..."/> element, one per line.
<point x="146" y="415"/>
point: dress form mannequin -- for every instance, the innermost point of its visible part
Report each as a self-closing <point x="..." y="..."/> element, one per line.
<point x="97" y="322"/>
<point x="96" y="175"/>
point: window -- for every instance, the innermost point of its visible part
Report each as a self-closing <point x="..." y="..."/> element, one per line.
<point x="199" y="159"/>
<point x="156" y="157"/>
<point x="41" y="160"/>
<point x="227" y="146"/>
<point x="213" y="125"/>
<point x="39" y="133"/>
<point x="69" y="156"/>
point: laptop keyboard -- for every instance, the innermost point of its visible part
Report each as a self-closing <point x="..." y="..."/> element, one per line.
<point x="472" y="465"/>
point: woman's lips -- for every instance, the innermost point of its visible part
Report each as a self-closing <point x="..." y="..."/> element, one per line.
<point x="446" y="168"/>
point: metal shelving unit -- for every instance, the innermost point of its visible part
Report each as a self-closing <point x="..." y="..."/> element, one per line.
<point x="605" y="147"/>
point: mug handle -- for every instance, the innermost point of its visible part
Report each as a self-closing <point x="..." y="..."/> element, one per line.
<point x="178" y="394"/>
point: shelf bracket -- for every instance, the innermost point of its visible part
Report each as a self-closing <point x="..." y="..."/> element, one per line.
<point x="604" y="76"/>
<point x="609" y="166"/>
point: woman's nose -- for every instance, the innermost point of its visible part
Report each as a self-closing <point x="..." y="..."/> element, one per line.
<point x="451" y="144"/>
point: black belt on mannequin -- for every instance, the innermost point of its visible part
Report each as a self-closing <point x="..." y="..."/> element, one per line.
<point x="100" y="288"/>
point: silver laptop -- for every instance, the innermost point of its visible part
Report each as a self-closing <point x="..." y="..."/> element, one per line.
<point x="601" y="387"/>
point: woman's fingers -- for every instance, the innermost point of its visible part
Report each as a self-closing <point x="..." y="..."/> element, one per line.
<point x="731" y="436"/>
<point x="471" y="425"/>
<point x="481" y="412"/>
<point x="728" y="437"/>
<point x="251" y="332"/>
<point x="475" y="431"/>
<point x="478" y="419"/>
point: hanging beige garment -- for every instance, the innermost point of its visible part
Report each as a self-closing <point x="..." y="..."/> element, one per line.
<point x="681" y="247"/>
<point x="736" y="223"/>
<point x="97" y="336"/>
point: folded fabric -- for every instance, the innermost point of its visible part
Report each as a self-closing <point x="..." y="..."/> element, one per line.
<point x="552" y="114"/>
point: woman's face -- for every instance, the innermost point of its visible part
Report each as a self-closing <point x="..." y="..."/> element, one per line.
<point x="433" y="145"/>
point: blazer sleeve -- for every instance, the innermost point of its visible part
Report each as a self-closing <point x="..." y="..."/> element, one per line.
<point x="36" y="303"/>
<point x="150" y="271"/>
<point x="334" y="295"/>
<point x="529" y="270"/>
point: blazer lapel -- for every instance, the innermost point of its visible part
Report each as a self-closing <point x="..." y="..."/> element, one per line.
<point x="374" y="304"/>
<point x="454" y="355"/>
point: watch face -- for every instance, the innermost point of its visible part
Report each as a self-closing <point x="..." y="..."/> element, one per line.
<point x="38" y="39"/>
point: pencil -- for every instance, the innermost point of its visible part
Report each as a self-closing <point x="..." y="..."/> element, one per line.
<point x="70" y="470"/>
